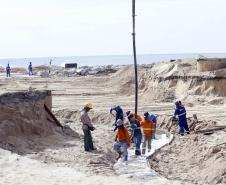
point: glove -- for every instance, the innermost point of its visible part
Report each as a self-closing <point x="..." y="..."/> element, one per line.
<point x="92" y="128"/>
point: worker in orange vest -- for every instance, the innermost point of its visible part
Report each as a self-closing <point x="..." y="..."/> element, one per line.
<point x="148" y="130"/>
<point x="122" y="140"/>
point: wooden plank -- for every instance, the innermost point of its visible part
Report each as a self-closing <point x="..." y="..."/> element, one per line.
<point x="217" y="128"/>
<point x="52" y="116"/>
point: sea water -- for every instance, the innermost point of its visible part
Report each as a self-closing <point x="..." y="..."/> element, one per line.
<point x="103" y="60"/>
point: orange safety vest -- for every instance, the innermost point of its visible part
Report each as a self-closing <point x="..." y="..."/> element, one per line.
<point x="123" y="135"/>
<point x="148" y="127"/>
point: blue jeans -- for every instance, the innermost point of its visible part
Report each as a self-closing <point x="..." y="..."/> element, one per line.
<point x="30" y="73"/>
<point x="7" y="74"/>
<point x="121" y="147"/>
<point x="137" y="141"/>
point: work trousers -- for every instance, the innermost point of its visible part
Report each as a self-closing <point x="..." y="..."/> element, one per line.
<point x="147" y="140"/>
<point x="7" y="74"/>
<point x="137" y="140"/>
<point x="183" y="126"/>
<point x="121" y="148"/>
<point x="88" y="141"/>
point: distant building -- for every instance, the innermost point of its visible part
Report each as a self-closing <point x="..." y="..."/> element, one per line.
<point x="71" y="65"/>
<point x="210" y="64"/>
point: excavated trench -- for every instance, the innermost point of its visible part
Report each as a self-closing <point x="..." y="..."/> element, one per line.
<point x="28" y="127"/>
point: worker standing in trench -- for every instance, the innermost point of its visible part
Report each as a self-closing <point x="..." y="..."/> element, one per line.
<point x="87" y="127"/>
<point x="180" y="111"/>
<point x="122" y="140"/>
<point x="137" y="134"/>
<point x="148" y="131"/>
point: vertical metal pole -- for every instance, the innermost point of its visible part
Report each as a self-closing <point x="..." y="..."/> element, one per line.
<point x="134" y="54"/>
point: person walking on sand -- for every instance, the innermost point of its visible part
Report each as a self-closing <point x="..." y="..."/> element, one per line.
<point x="180" y="111"/>
<point x="87" y="127"/>
<point x="122" y="140"/>
<point x="8" y="71"/>
<point x="136" y="133"/>
<point x="30" y="69"/>
<point x="148" y="130"/>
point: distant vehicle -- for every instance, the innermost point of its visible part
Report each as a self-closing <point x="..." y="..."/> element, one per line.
<point x="71" y="65"/>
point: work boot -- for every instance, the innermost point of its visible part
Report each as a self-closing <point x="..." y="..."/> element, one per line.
<point x="181" y="133"/>
<point x="137" y="152"/>
<point x="119" y="156"/>
<point x="126" y="158"/>
<point x="143" y="151"/>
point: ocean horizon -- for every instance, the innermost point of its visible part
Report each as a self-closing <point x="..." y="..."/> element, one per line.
<point x="104" y="60"/>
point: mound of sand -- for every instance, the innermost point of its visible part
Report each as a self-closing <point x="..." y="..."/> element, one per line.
<point x="23" y="119"/>
<point x="167" y="81"/>
<point x="195" y="158"/>
<point x="198" y="158"/>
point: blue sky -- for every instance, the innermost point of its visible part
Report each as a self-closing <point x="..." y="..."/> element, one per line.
<point x="45" y="28"/>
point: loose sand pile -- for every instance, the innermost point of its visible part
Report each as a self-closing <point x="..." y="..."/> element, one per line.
<point x="23" y="120"/>
<point x="196" y="158"/>
<point x="167" y="81"/>
<point x="26" y="128"/>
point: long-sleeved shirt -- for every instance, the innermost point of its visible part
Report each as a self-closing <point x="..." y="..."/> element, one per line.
<point x="136" y="128"/>
<point x="181" y="113"/>
<point x="86" y="121"/>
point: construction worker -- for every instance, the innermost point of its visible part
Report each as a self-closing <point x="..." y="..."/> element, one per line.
<point x="30" y="69"/>
<point x="122" y="140"/>
<point x="148" y="130"/>
<point x="138" y="117"/>
<point x="8" y="70"/>
<point x="87" y="127"/>
<point x="136" y="133"/>
<point x="119" y="114"/>
<point x="153" y="118"/>
<point x="180" y="111"/>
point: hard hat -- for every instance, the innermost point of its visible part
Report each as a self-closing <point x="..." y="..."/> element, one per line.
<point x="89" y="105"/>
<point x="117" y="108"/>
<point x="119" y="123"/>
<point x="177" y="102"/>
<point x="130" y="116"/>
<point x="146" y="114"/>
<point x="128" y="113"/>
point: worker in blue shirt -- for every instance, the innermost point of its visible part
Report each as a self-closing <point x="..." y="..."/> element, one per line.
<point x="180" y="111"/>
<point x="8" y="70"/>
<point x="119" y="114"/>
<point x="136" y="133"/>
<point x="30" y="69"/>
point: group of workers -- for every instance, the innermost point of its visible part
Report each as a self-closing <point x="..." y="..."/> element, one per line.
<point x="8" y="70"/>
<point x="131" y="128"/>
